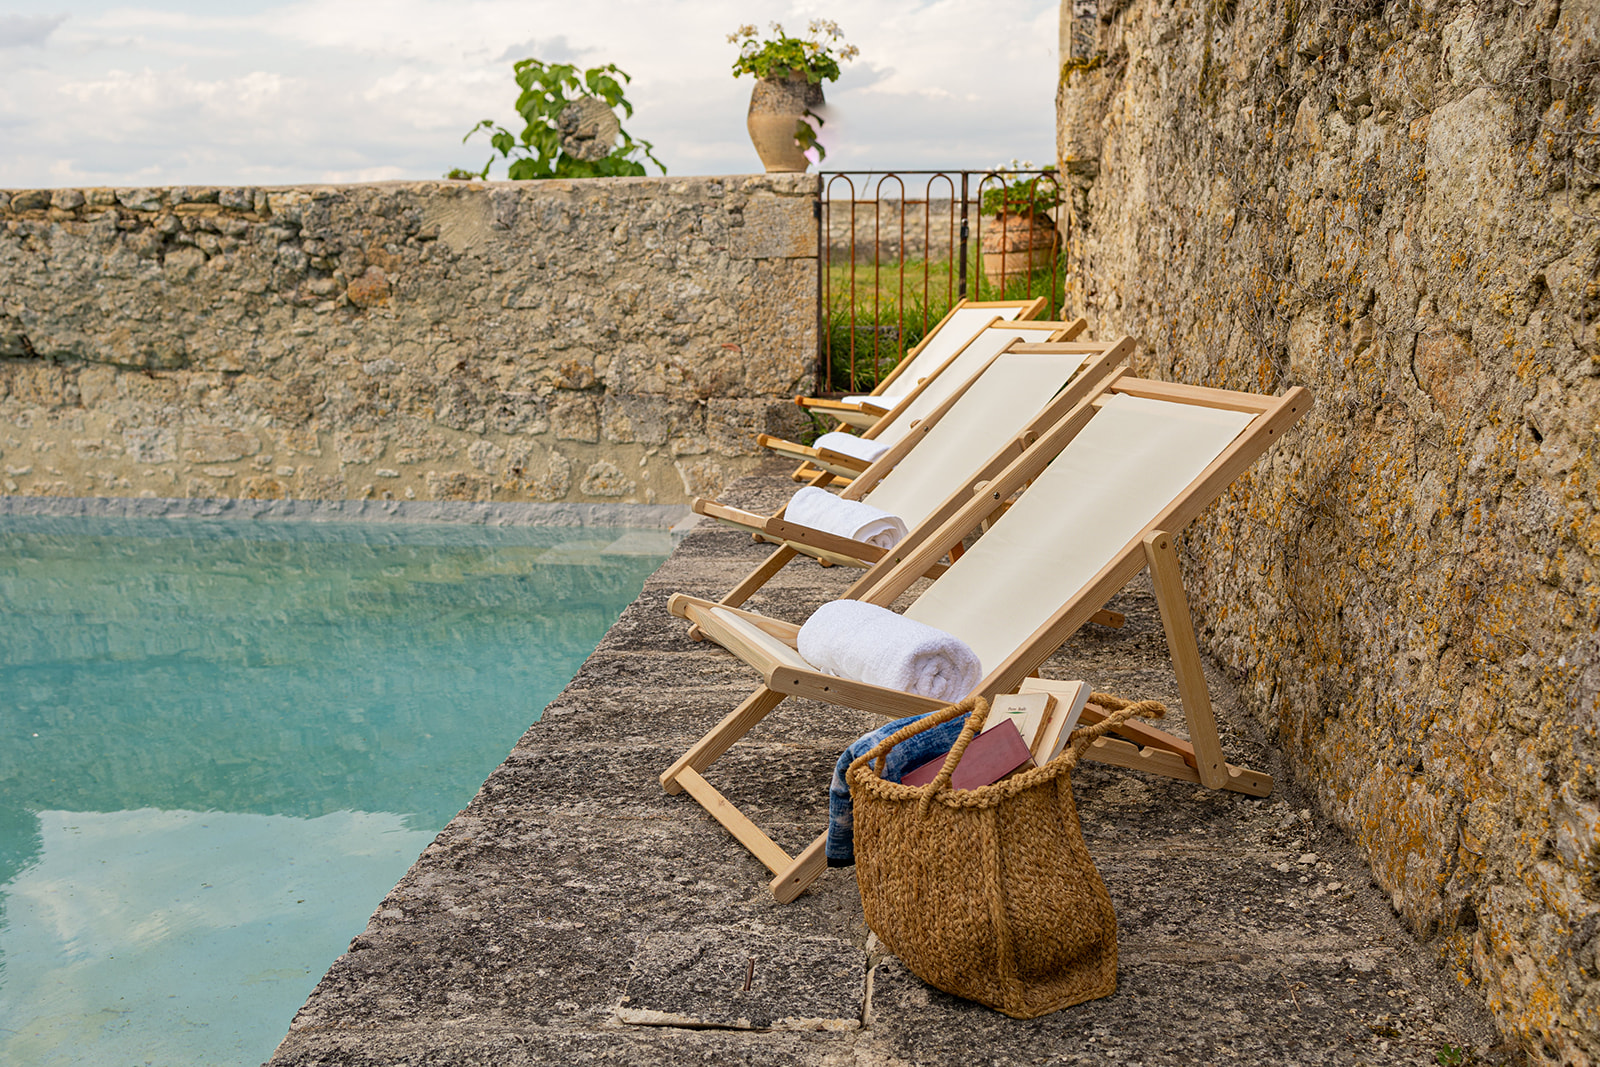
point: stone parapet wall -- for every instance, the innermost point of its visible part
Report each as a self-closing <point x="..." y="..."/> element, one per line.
<point x="1396" y="206"/>
<point x="618" y="339"/>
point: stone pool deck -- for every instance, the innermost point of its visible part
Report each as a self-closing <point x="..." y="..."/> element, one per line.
<point x="576" y="913"/>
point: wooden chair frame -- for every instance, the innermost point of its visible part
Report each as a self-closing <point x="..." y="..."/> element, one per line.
<point x="795" y="540"/>
<point x="1026" y="310"/>
<point x="874" y="419"/>
<point x="767" y="644"/>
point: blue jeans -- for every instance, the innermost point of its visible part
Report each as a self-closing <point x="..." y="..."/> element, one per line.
<point x="906" y="756"/>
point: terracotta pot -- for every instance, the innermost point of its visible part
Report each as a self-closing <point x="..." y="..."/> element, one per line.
<point x="777" y="107"/>
<point x="1013" y="245"/>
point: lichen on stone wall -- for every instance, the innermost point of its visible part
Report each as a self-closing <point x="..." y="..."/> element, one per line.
<point x="1396" y="206"/>
<point x="435" y="340"/>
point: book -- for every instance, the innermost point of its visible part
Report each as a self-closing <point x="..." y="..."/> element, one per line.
<point x="989" y="757"/>
<point x="1052" y="737"/>
<point x="1029" y="711"/>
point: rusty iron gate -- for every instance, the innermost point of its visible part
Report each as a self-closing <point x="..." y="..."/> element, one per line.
<point x="897" y="249"/>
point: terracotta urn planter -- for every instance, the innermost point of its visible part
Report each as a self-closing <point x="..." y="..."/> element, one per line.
<point x="1014" y="245"/>
<point x="777" y="107"/>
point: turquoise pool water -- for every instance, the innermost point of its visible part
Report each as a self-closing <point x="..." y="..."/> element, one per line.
<point x="221" y="743"/>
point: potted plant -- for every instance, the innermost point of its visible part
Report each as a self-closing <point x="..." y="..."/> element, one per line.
<point x="1023" y="236"/>
<point x="789" y="74"/>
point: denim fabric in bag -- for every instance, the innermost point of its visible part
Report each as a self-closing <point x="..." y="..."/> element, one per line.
<point x="908" y="755"/>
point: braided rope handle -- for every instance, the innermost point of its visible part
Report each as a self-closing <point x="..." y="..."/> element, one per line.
<point x="980" y="712"/>
<point x="911" y="729"/>
<point x="1120" y="712"/>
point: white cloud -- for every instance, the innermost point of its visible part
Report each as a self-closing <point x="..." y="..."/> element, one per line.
<point x="20" y="31"/>
<point x="320" y="90"/>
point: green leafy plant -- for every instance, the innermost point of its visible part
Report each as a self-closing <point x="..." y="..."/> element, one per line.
<point x="568" y="116"/>
<point x="776" y="56"/>
<point x="1450" y="1056"/>
<point x="1021" y="197"/>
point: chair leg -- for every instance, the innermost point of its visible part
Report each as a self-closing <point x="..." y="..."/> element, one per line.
<point x="801" y="871"/>
<point x="1168" y="582"/>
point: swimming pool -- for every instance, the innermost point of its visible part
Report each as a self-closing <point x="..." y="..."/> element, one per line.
<point x="222" y="742"/>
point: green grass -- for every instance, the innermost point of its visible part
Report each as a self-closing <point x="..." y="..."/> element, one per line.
<point x="892" y="312"/>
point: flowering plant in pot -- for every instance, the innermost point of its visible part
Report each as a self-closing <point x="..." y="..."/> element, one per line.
<point x="1023" y="237"/>
<point x="1021" y="197"/>
<point x="789" y="74"/>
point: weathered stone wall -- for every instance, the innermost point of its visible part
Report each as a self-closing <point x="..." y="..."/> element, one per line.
<point x="1396" y="206"/>
<point x="613" y="339"/>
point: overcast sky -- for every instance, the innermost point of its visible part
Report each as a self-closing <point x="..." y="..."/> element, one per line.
<point x="175" y="92"/>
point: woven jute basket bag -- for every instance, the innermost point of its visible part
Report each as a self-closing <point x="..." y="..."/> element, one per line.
<point x="989" y="893"/>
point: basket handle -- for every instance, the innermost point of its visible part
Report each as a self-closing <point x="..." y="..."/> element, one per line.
<point x="909" y="730"/>
<point x="1120" y="712"/>
<point x="979" y="712"/>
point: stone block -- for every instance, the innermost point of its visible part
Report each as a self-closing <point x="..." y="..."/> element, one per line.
<point x="701" y="477"/>
<point x="456" y="485"/>
<point x="775" y="228"/>
<point x="732" y="425"/>
<point x="606" y="479"/>
<point x="575" y="418"/>
<point x="359" y="447"/>
<point x="217" y="444"/>
<point x="150" y="444"/>
<point x="648" y="420"/>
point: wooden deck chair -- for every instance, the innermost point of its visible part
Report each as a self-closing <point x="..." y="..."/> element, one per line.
<point x="948" y="335"/>
<point x="926" y="361"/>
<point x="1103" y="494"/>
<point x="929" y="474"/>
<point x="949" y="378"/>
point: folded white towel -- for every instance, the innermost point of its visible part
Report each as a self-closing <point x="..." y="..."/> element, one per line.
<point x="849" y="444"/>
<point x="819" y="509"/>
<point x="862" y="641"/>
<point x="883" y="402"/>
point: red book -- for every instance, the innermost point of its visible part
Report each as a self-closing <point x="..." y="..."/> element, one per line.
<point x="989" y="757"/>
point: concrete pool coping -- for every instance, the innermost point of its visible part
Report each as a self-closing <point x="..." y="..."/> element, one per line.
<point x="574" y="912"/>
<point x="660" y="516"/>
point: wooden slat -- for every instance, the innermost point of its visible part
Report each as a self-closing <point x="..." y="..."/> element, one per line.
<point x="748" y="833"/>
<point x="707" y="614"/>
<point x="1155" y="761"/>
<point x="880" y="700"/>
<point x="801" y="872"/>
<point x="786" y="448"/>
<point x="1225" y="399"/>
<point x="735" y="517"/>
<point x="759" y="577"/>
<point x="837" y="409"/>
<point x="854" y="465"/>
<point x="1163" y="563"/>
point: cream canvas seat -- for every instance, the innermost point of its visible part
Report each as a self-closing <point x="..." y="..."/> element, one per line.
<point x="949" y="378"/>
<point x="947" y="336"/>
<point x="1102" y="495"/>
<point x="929" y="474"/>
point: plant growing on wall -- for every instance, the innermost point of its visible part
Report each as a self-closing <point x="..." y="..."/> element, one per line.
<point x="571" y="126"/>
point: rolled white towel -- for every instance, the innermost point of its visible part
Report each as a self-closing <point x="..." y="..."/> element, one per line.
<point x="849" y="444"/>
<point x="862" y="641"/>
<point x="819" y="509"/>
